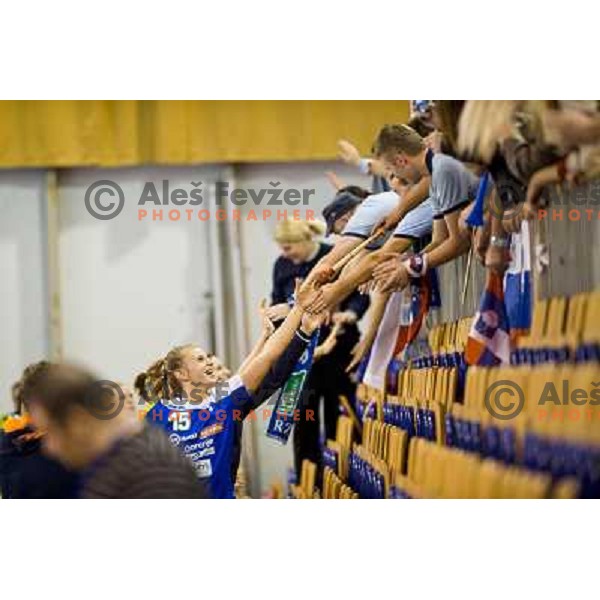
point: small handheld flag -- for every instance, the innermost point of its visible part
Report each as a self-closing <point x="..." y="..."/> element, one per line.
<point x="489" y="342"/>
<point x="475" y="218"/>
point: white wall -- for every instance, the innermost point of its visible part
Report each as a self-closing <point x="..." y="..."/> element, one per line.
<point x="131" y="289"/>
<point x="23" y="319"/>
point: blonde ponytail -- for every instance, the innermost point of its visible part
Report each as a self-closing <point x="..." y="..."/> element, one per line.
<point x="291" y="231"/>
<point x="158" y="381"/>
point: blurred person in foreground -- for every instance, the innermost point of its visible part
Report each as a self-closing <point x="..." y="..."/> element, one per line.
<point x="116" y="457"/>
<point x="25" y="470"/>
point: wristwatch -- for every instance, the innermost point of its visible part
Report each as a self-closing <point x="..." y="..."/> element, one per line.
<point x="500" y="242"/>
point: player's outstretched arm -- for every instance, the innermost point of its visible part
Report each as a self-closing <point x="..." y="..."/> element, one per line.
<point x="254" y="371"/>
<point x="361" y="273"/>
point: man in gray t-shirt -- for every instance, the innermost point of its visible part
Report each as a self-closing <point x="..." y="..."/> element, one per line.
<point x="453" y="187"/>
<point x="364" y="220"/>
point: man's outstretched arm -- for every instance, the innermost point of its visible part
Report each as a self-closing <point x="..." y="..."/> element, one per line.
<point x="339" y="290"/>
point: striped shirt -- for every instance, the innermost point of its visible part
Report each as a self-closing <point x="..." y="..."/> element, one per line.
<point x="145" y="465"/>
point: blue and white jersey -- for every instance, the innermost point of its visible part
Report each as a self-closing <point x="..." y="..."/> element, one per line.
<point x="205" y="432"/>
<point x="373" y="209"/>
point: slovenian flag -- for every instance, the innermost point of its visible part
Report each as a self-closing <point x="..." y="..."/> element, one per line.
<point x="420" y="302"/>
<point x="489" y="339"/>
<point x="384" y="344"/>
<point x="517" y="283"/>
<point x="401" y="323"/>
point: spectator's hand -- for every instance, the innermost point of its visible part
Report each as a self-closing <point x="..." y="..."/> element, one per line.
<point x="322" y="274"/>
<point x="497" y="259"/>
<point x="277" y="312"/>
<point x="329" y="344"/>
<point x="571" y="127"/>
<point x="312" y="321"/>
<point x="398" y="185"/>
<point x="390" y="222"/>
<point x="391" y="274"/>
<point x="358" y="353"/>
<point x="348" y="153"/>
<point x="512" y="223"/>
<point x="538" y="181"/>
<point x="322" y="302"/>
<point x="529" y="212"/>
<point x="390" y="263"/>
<point x="434" y="141"/>
<point x="334" y="180"/>
<point x="482" y="242"/>
<point x="346" y="317"/>
<point x="267" y="325"/>
<point x="367" y="287"/>
<point x="308" y="296"/>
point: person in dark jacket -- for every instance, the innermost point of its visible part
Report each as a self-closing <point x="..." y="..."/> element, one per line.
<point x="115" y="457"/>
<point x="25" y="471"/>
<point x="300" y="252"/>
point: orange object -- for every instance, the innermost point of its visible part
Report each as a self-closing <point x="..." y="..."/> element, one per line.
<point x="15" y="423"/>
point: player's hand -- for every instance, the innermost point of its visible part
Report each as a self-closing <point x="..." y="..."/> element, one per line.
<point x="533" y="196"/>
<point x="348" y="153"/>
<point x="277" y="312"/>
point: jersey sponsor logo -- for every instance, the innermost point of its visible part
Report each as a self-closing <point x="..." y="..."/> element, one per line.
<point x="196" y="456"/>
<point x="211" y="430"/>
<point x="201" y="445"/>
<point x="203" y="468"/>
<point x="176" y="439"/>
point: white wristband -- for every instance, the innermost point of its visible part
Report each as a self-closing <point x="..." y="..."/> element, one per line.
<point x="364" y="166"/>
